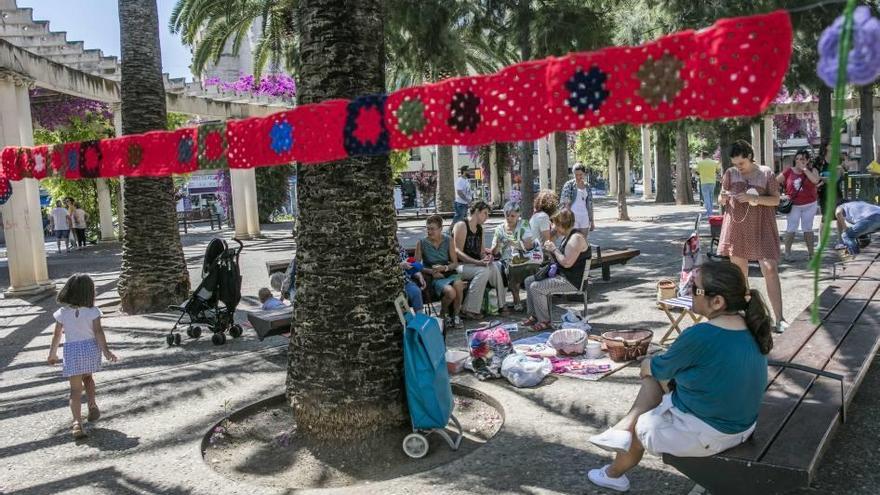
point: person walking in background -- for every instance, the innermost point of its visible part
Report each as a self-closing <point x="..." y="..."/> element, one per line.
<point x="79" y="321"/>
<point x="751" y="194"/>
<point x="864" y="218"/>
<point x="708" y="171"/>
<point x="463" y="196"/>
<point x="59" y="223"/>
<point x="799" y="183"/>
<point x="577" y="197"/>
<point x="80" y="219"/>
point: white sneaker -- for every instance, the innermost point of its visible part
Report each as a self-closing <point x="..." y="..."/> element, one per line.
<point x="781" y="326"/>
<point x="600" y="477"/>
<point x="613" y="440"/>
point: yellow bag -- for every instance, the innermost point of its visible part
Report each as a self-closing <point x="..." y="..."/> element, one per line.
<point x="874" y="167"/>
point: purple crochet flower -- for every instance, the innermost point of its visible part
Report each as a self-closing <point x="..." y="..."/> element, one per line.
<point x="863" y="63"/>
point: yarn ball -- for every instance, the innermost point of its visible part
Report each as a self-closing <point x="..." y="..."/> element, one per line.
<point x="863" y="63"/>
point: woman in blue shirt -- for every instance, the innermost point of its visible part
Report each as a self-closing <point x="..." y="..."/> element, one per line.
<point x="719" y="369"/>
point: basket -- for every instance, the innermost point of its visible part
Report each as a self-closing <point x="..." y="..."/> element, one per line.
<point x="666" y="289"/>
<point x="570" y="341"/>
<point x="626" y="345"/>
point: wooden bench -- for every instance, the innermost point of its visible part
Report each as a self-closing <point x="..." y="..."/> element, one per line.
<point x="814" y="373"/>
<point x="604" y="258"/>
<point x="186" y="218"/>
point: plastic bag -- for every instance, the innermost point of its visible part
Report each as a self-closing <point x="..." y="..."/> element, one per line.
<point x="488" y="348"/>
<point x="573" y="320"/>
<point x="525" y="371"/>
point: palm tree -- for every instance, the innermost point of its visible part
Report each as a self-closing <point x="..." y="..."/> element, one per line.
<point x="154" y="272"/>
<point x="345" y="373"/>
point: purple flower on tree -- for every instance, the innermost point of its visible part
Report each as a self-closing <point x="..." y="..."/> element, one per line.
<point x="275" y="85"/>
<point x="863" y="63"/>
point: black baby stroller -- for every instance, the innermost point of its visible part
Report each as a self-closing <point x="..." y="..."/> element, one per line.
<point x="213" y="302"/>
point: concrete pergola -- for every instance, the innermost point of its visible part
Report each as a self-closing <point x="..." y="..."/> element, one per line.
<point x="20" y="70"/>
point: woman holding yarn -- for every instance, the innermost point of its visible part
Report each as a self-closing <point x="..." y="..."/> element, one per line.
<point x="750" y="193"/>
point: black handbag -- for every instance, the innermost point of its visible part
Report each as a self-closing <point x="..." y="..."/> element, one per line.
<point x="786" y="203"/>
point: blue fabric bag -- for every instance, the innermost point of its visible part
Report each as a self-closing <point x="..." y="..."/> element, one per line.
<point x="428" y="392"/>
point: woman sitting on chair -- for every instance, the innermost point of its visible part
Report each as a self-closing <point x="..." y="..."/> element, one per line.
<point x="720" y="373"/>
<point x="439" y="261"/>
<point x="571" y="259"/>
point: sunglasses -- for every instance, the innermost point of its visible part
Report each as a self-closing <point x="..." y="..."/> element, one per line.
<point x="697" y="291"/>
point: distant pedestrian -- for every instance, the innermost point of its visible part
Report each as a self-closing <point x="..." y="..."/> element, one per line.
<point x="578" y="198"/>
<point x="463" y="196"/>
<point x="84" y="342"/>
<point x="800" y="182"/>
<point x="80" y="217"/>
<point x="708" y="171"/>
<point x="59" y="224"/>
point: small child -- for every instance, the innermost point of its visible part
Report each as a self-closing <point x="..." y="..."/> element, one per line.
<point x="268" y="301"/>
<point x="84" y="342"/>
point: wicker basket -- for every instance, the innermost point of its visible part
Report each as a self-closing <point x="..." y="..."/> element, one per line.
<point x="569" y="341"/>
<point x="626" y="345"/>
<point x="666" y="289"/>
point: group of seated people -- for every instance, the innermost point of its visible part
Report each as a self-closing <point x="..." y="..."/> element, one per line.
<point x="443" y="263"/>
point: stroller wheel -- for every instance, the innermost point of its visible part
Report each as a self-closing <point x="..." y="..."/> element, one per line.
<point x="194" y="332"/>
<point x="235" y="331"/>
<point x="415" y="445"/>
<point x="218" y="339"/>
<point x="169" y="339"/>
<point x="222" y="338"/>
<point x="176" y="339"/>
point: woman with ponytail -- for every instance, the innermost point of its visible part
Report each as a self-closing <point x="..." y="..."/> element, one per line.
<point x="719" y="368"/>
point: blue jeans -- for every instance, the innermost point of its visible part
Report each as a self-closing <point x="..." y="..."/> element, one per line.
<point x="867" y="225"/>
<point x="413" y="296"/>
<point x="461" y="210"/>
<point x="708" y="191"/>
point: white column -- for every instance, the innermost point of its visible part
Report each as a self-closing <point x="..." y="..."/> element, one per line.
<point x="877" y="135"/>
<point x="22" y="223"/>
<point x="105" y="211"/>
<point x="626" y="172"/>
<point x="768" y="142"/>
<point x="551" y="163"/>
<point x="543" y="164"/>
<point x="508" y="181"/>
<point x="244" y="203"/>
<point x="656" y="138"/>
<point x="493" y="177"/>
<point x="647" y="166"/>
<point x="612" y="175"/>
<point x="116" y="108"/>
<point x="756" y="142"/>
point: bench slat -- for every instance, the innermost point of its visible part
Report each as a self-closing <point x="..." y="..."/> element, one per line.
<point x="800" y="441"/>
<point x="828" y="299"/>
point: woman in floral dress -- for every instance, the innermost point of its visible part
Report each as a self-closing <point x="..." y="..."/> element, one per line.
<point x="750" y="193"/>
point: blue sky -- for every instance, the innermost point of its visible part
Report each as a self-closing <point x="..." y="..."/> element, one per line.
<point x="96" y="22"/>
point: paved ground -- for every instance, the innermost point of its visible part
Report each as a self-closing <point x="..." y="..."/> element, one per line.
<point x="157" y="401"/>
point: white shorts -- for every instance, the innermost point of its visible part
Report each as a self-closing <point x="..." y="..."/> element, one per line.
<point x="802" y="215"/>
<point x="667" y="430"/>
<point x="582" y="220"/>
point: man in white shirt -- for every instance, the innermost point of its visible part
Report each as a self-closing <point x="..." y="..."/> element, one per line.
<point x="463" y="195"/>
<point x="59" y="222"/>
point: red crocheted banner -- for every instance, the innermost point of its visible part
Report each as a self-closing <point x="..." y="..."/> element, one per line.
<point x="732" y="69"/>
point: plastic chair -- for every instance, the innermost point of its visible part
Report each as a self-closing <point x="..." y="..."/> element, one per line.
<point x="583" y="291"/>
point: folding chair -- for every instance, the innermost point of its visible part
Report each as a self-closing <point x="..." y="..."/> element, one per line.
<point x="669" y="306"/>
<point x="583" y="291"/>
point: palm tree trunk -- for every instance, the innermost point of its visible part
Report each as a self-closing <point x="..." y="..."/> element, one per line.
<point x="664" y="167"/>
<point x="154" y="272"/>
<point x="866" y="95"/>
<point x="524" y="43"/>
<point x="620" y="164"/>
<point x="445" y="179"/>
<point x="560" y="140"/>
<point x="345" y="370"/>
<point x="724" y="144"/>
<point x="683" y="193"/>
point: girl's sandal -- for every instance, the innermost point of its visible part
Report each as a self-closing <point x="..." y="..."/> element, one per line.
<point x="78" y="431"/>
<point x="531" y="320"/>
<point x="541" y="326"/>
<point x="94" y="414"/>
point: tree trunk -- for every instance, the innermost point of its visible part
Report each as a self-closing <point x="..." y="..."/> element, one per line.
<point x="620" y="164"/>
<point x="560" y="140"/>
<point x="866" y="95"/>
<point x="524" y="42"/>
<point x="684" y="195"/>
<point x="345" y="369"/>
<point x="824" y="113"/>
<point x="153" y="273"/>
<point x="663" y="180"/>
<point x="445" y="179"/>
<point x="724" y="144"/>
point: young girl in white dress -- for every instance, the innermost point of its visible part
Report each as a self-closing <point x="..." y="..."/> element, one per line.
<point x="84" y="342"/>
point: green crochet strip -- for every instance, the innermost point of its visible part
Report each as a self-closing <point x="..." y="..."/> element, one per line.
<point x="411" y="117"/>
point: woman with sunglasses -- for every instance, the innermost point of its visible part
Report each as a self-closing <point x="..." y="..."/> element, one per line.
<point x="719" y="371"/>
<point x="511" y="236"/>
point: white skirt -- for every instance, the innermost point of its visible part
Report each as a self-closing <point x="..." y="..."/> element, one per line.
<point x="668" y="430"/>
